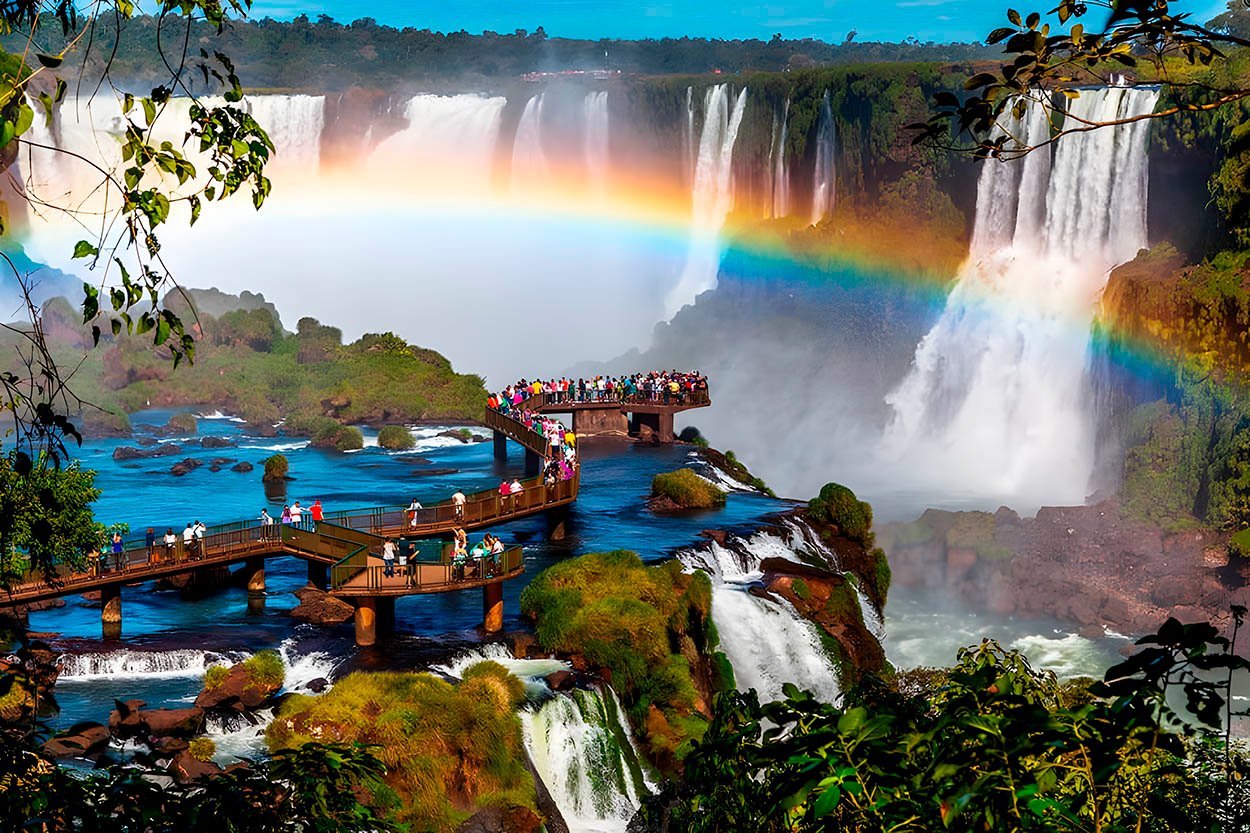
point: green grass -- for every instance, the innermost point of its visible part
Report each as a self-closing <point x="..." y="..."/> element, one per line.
<point x="265" y="668"/>
<point x="1239" y="544"/>
<point x="215" y="676"/>
<point x="687" y="490"/>
<point x="445" y="746"/>
<point x="202" y="749"/>
<point x="396" y="438"/>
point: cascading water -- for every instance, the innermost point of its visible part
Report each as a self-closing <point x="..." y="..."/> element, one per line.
<point x="128" y="663"/>
<point x="996" y="394"/>
<point x="823" y="174"/>
<point x="595" y="137"/>
<point x="582" y="749"/>
<point x="712" y="197"/>
<point x="530" y="168"/>
<point x="781" y="175"/>
<point x="450" y="138"/>
<point x="294" y="124"/>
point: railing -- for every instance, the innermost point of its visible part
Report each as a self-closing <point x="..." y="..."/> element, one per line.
<point x="683" y="398"/>
<point x="418" y="576"/>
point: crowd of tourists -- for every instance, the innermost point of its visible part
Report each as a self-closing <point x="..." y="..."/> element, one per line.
<point x="667" y="387"/>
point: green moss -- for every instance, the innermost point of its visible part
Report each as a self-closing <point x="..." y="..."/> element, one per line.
<point x="265" y="668"/>
<point x="214" y="676"/>
<point x="722" y="672"/>
<point x="687" y="490"/>
<point x="183" y="423"/>
<point x="449" y="749"/>
<point x="975" y="531"/>
<point x="276" y="468"/>
<point x="1239" y="544"/>
<point x="396" y="438"/>
<point x="837" y="505"/>
<point x="801" y="589"/>
<point x="202" y="749"/>
<point x="881" y="576"/>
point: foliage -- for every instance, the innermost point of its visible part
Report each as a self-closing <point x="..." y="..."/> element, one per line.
<point x="45" y="515"/>
<point x="202" y="749"/>
<point x="837" y="505"/>
<point x="338" y="437"/>
<point x="214" y="676"/>
<point x="436" y="740"/>
<point x="686" y="489"/>
<point x="1239" y="544"/>
<point x="396" y="438"/>
<point x="265" y="669"/>
<point x="276" y="468"/>
<point x="627" y="618"/>
<point x="990" y="744"/>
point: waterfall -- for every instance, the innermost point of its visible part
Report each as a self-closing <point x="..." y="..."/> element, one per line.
<point x="294" y="124"/>
<point x="530" y="169"/>
<point x="767" y="641"/>
<point x="688" y="146"/>
<point x="130" y="663"/>
<point x="596" y="136"/>
<point x="823" y="176"/>
<point x="712" y="196"/>
<point x="582" y="749"/>
<point x="994" y="405"/>
<point x="451" y="139"/>
<point x="781" y="176"/>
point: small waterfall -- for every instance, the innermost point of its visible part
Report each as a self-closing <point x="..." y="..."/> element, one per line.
<point x="994" y="407"/>
<point x="582" y="749"/>
<point x="129" y="663"/>
<point x="596" y="136"/>
<point x="530" y="168"/>
<point x="823" y="175"/>
<point x="712" y="196"/>
<point x="781" y="174"/>
<point x="689" y="158"/>
<point x="450" y="138"/>
<point x="532" y="672"/>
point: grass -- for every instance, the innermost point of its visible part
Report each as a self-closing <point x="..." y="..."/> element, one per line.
<point x="202" y="749"/>
<point x="687" y="490"/>
<point x="215" y="676"/>
<point x="265" y="669"/>
<point x="630" y="619"/>
<point x="446" y="747"/>
<point x="396" y="438"/>
<point x="1239" y="544"/>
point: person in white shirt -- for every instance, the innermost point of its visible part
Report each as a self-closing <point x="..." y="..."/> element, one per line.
<point x="516" y="488"/>
<point x="171" y="541"/>
<point x="458" y="501"/>
<point x="266" y="525"/>
<point x="297" y="513"/>
<point x="413" y="508"/>
<point x="188" y="540"/>
<point x="199" y="529"/>
<point x="388" y="558"/>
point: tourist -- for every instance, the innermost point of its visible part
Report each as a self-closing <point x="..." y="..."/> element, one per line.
<point x="516" y="488"/>
<point x="266" y="525"/>
<point x="171" y="541"/>
<point x="297" y="514"/>
<point x="505" y="490"/>
<point x="388" y="558"/>
<point x="403" y="561"/>
<point x="117" y="551"/>
<point x="149" y="541"/>
<point x="188" y="541"/>
<point x="318" y="514"/>
<point x="457" y="502"/>
<point x="286" y="514"/>
<point x="199" y="530"/>
<point x="413" y="509"/>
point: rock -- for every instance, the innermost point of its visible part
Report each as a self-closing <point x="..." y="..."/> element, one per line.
<point x="478" y="438"/>
<point x="261" y="429"/>
<point x="720" y="536"/>
<point x="127" y="452"/>
<point x="186" y="769"/>
<point x="217" y="442"/>
<point x="147" y="442"/>
<point x="509" y="819"/>
<point x="521" y="643"/>
<point x="213" y="467"/>
<point x="320" y="608"/>
<point x="237" y="692"/>
<point x="188" y="465"/>
<point x="83" y="740"/>
<point x="124" y="721"/>
<point x="242" y="468"/>
<point x="561" y="680"/>
<point x="221" y="461"/>
<point x="318" y="685"/>
<point x="183" y="723"/>
<point x="169" y="746"/>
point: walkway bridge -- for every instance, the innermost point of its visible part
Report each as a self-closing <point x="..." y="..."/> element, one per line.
<point x="616" y="413"/>
<point x="343" y="551"/>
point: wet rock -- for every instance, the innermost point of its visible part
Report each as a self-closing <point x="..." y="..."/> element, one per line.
<point x="127" y="452"/>
<point x="320" y="608"/>
<point x="561" y="680"/>
<point x="125" y="721"/>
<point x="720" y="536"/>
<point x="169" y="746"/>
<point x="242" y="468"/>
<point x="184" y="467"/>
<point x="182" y="723"/>
<point x="521" y="643"/>
<point x="221" y="461"/>
<point x="147" y="442"/>
<point x="186" y="769"/>
<point x="510" y="819"/>
<point x="217" y="442"/>
<point x="83" y="740"/>
<point x="238" y="692"/>
<point x="261" y="429"/>
<point x="318" y="685"/>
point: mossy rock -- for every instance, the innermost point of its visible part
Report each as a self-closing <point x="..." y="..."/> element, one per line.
<point x="396" y="438"/>
<point x="202" y="749"/>
<point x="683" y="489"/>
<point x="276" y="468"/>
<point x="836" y="505"/>
<point x="183" y="423"/>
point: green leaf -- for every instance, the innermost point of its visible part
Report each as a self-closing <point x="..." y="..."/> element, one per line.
<point x="84" y="248"/>
<point x="827" y="801"/>
<point x="1014" y="17"/>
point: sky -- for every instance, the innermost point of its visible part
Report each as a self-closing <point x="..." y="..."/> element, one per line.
<point x="829" y="20"/>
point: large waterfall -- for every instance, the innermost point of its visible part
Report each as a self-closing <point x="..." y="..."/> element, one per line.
<point x="596" y="141"/>
<point x="994" y="405"/>
<point x="530" y="169"/>
<point x="712" y="197"/>
<point x="780" y="172"/>
<point x="823" y="175"/>
<point x="449" y="139"/>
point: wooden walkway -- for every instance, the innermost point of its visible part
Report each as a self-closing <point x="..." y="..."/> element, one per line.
<point x="347" y="543"/>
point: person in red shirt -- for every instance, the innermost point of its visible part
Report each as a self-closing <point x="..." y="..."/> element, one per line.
<point x="317" y="513"/>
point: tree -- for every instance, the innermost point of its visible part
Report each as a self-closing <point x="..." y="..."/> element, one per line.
<point x="45" y="516"/>
<point x="1045" y="67"/>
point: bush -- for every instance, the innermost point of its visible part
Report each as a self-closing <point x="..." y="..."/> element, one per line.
<point x="276" y="468"/>
<point x="1239" y="544"/>
<point x="687" y="490"/>
<point x="338" y="437"/>
<point x="215" y="676"/>
<point x="396" y="438"/>
<point x="837" y="505"/>
<point x="183" y="423"/>
<point x="202" y="749"/>
<point x="265" y="668"/>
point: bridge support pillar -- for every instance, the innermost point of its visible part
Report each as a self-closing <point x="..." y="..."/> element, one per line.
<point x="254" y="571"/>
<point x="665" y="432"/>
<point x="386" y="615"/>
<point x="532" y="464"/>
<point x="501" y="445"/>
<point x="492" y="607"/>
<point x="366" y="621"/>
<point x="111" y="611"/>
<point x="557" y="520"/>
<point x="318" y="575"/>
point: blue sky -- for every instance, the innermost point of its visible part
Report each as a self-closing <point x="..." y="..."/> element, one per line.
<point x="937" y="20"/>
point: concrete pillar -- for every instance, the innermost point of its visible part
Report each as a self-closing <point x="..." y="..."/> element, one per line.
<point x="665" y="432"/>
<point x="501" y="445"/>
<point x="492" y="607"/>
<point x="318" y="575"/>
<point x="255" y="568"/>
<point x="366" y="621"/>
<point x="111" y="611"/>
<point x="532" y="464"/>
<point x="557" y="520"/>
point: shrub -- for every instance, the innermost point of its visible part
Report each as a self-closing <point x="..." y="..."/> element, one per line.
<point x="1239" y="544"/>
<point x="396" y="438"/>
<point x="687" y="490"/>
<point x="265" y="668"/>
<point x="276" y="468"/>
<point x="339" y="437"/>
<point x="837" y="505"/>
<point x="215" y="676"/>
<point x="202" y="749"/>
<point x="183" y="423"/>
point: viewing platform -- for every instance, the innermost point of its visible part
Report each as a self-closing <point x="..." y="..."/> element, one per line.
<point x="611" y="413"/>
<point x="343" y="552"/>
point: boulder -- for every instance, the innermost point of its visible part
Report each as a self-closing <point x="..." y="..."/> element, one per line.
<point x="83" y="740"/>
<point x="182" y="723"/>
<point x="521" y="643"/>
<point x="169" y="746"/>
<point x="242" y="467"/>
<point x="217" y="442"/>
<point x="183" y="467"/>
<point x="125" y="721"/>
<point x="561" y="680"/>
<point x="320" y="608"/>
<point x="509" y="819"/>
<point x="186" y="769"/>
<point x="221" y="461"/>
<point x="147" y="442"/>
<point x="127" y="452"/>
<point x="238" y="692"/>
<point x="318" y="685"/>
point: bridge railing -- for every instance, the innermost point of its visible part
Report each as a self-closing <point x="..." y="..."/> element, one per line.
<point x="426" y="575"/>
<point x="684" y="398"/>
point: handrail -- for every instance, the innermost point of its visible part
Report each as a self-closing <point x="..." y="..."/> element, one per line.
<point x="682" y="398"/>
<point x="426" y="577"/>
